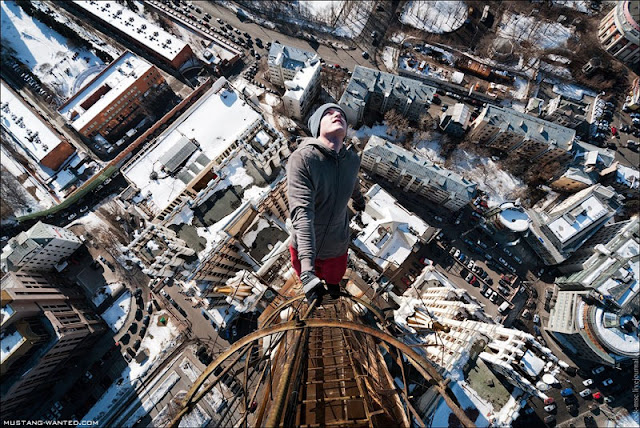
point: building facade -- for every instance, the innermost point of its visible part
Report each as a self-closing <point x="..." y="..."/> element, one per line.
<point x="529" y="137"/>
<point x="40" y="248"/>
<point x="42" y="326"/>
<point x="112" y="100"/>
<point x="136" y="29"/>
<point x="619" y="32"/>
<point x="298" y="71"/>
<point x="416" y="174"/>
<point x="565" y="112"/>
<point x="556" y="233"/>
<point x="375" y="92"/>
<point x="455" y="120"/>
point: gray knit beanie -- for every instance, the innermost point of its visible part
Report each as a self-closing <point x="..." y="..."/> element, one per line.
<point x="314" y="120"/>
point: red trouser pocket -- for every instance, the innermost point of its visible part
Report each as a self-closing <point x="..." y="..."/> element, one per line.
<point x="330" y="270"/>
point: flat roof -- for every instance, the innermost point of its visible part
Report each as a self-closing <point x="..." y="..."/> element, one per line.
<point x="135" y="26"/>
<point x="586" y="213"/>
<point x="213" y="123"/>
<point x="116" y="78"/>
<point x="21" y="122"/>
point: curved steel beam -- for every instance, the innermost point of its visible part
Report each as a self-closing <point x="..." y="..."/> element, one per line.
<point x="289" y="302"/>
<point x="427" y="371"/>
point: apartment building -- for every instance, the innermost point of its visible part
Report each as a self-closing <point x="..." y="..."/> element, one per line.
<point x="112" y="100"/>
<point x="529" y="137"/>
<point x="190" y="157"/>
<point x="565" y="112"/>
<point x="159" y="251"/>
<point x="30" y="132"/>
<point x="455" y="120"/>
<point x="619" y="32"/>
<point x="40" y="248"/>
<point x="42" y="326"/>
<point x="558" y="231"/>
<point x="298" y="71"/>
<point x="389" y="233"/>
<point x="373" y="93"/>
<point x="145" y="34"/>
<point x="416" y="174"/>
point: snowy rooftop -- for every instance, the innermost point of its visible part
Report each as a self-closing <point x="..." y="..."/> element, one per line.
<point x="365" y="80"/>
<point x="531" y="127"/>
<point x="628" y="176"/>
<point x="614" y="337"/>
<point x="390" y="230"/>
<point x="422" y="168"/>
<point x="290" y="57"/>
<point x="205" y="131"/>
<point x="533" y="365"/>
<point x="30" y="131"/>
<point x="514" y="217"/>
<point x="579" y="218"/>
<point x="146" y="32"/>
<point x="109" y="85"/>
<point x="300" y="82"/>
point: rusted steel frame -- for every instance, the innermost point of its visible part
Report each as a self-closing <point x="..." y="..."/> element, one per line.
<point x="358" y="379"/>
<point x="406" y="390"/>
<point x="255" y="393"/>
<point x="424" y="368"/>
<point x="283" y="305"/>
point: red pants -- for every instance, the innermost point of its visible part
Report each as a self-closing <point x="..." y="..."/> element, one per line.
<point x="330" y="270"/>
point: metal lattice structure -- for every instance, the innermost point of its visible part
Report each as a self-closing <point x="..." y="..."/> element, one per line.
<point x="331" y="365"/>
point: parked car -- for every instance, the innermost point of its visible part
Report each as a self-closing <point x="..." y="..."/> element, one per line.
<point x="597" y="395"/>
<point x="550" y="420"/>
<point x="566" y="392"/>
<point x="607" y="382"/>
<point x="585" y="393"/>
<point x="550" y="408"/>
<point x="587" y="382"/>
<point x="597" y="370"/>
<point x="536" y="319"/>
<point x="549" y="400"/>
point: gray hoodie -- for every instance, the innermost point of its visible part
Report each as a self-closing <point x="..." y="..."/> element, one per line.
<point x="320" y="183"/>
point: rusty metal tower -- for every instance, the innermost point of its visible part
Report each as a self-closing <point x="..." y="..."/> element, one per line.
<point x="338" y="364"/>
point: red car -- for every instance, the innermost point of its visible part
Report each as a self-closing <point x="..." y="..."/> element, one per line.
<point x="548" y="400"/>
<point x="614" y="130"/>
<point x="597" y="395"/>
<point x="406" y="280"/>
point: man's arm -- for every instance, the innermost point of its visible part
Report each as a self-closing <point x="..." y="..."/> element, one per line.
<point x="302" y="210"/>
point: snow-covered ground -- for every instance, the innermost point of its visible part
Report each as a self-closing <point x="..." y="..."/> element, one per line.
<point x="389" y="56"/>
<point x="47" y="54"/>
<point x="117" y="313"/>
<point x="105" y="292"/>
<point x="466" y="399"/>
<point x="158" y="341"/>
<point x="439" y="16"/>
<point x="544" y="35"/>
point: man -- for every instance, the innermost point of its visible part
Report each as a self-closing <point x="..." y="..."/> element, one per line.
<point x="322" y="176"/>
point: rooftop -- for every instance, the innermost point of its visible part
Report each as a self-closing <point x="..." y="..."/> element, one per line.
<point x="146" y="32"/>
<point x="109" y="85"/>
<point x="514" y="217"/>
<point x="290" y="57"/>
<point x="422" y="168"/>
<point x="26" y="127"/>
<point x="588" y="212"/>
<point x="390" y="230"/>
<point x="365" y="80"/>
<point x="203" y="133"/>
<point x="297" y="86"/>
<point x="530" y="127"/>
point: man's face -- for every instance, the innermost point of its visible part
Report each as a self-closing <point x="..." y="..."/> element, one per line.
<point x="333" y="123"/>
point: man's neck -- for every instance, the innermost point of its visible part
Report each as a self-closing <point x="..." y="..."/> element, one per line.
<point x="331" y="142"/>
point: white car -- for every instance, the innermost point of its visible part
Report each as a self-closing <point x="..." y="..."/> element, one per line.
<point x="585" y="393"/>
<point x="550" y="408"/>
<point x="456" y="254"/>
<point x="536" y="319"/>
<point x="587" y="382"/>
<point x="164" y="293"/>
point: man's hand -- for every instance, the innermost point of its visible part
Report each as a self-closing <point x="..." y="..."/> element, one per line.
<point x="311" y="285"/>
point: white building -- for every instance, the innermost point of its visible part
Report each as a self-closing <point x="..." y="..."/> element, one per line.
<point x="189" y="158"/>
<point x="390" y="232"/>
<point x="40" y="248"/>
<point x="298" y="71"/>
<point x="416" y="174"/>
<point x="450" y="328"/>
<point x="559" y="231"/>
<point x="456" y="119"/>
